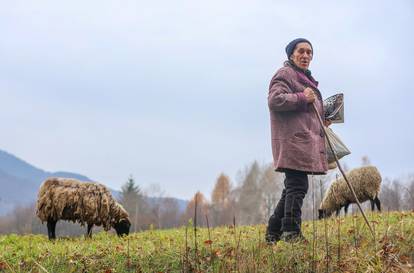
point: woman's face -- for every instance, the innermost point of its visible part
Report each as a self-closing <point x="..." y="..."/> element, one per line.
<point x="302" y="55"/>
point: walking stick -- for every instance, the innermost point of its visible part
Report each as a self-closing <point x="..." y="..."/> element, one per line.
<point x="342" y="171"/>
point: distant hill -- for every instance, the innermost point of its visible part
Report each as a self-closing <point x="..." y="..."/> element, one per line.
<point x="20" y="182"/>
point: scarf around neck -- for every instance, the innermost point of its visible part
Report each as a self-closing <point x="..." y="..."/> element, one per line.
<point x="307" y="74"/>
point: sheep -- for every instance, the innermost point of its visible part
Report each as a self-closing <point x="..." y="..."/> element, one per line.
<point x="366" y="182"/>
<point x="73" y="200"/>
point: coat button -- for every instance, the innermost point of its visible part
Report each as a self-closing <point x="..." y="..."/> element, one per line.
<point x="322" y="133"/>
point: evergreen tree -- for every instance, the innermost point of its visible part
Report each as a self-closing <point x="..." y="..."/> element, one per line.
<point x="132" y="200"/>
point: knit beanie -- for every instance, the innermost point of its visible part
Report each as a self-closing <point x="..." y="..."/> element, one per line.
<point x="291" y="46"/>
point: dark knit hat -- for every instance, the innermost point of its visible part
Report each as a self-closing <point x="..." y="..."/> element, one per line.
<point x="291" y="46"/>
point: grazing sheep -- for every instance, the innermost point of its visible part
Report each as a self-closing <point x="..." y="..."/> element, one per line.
<point x="366" y="182"/>
<point x="73" y="200"/>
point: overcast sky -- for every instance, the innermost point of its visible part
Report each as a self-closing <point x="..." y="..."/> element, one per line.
<point x="175" y="92"/>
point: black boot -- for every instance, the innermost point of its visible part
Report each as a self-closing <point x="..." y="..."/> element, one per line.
<point x="273" y="231"/>
<point x="292" y="237"/>
<point x="272" y="238"/>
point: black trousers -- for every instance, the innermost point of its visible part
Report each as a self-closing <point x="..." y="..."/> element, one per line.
<point x="288" y="212"/>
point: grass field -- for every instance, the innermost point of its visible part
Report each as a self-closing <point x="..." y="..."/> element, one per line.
<point x="335" y="245"/>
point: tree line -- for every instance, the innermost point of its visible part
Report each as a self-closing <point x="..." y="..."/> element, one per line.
<point x="249" y="200"/>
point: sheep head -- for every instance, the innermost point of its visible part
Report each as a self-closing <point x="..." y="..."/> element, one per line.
<point x="323" y="213"/>
<point x="122" y="227"/>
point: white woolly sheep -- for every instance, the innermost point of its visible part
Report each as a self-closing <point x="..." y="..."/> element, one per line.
<point x="366" y="182"/>
<point x="73" y="200"/>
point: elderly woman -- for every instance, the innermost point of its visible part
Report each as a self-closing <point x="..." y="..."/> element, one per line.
<point x="298" y="143"/>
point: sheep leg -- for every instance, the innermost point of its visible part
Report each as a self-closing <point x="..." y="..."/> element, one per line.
<point x="89" y="233"/>
<point x="51" y="229"/>
<point x="372" y="204"/>
<point x="338" y="211"/>
<point x="378" y="203"/>
<point x="346" y="208"/>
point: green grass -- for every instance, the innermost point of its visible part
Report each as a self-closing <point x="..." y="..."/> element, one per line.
<point x="223" y="249"/>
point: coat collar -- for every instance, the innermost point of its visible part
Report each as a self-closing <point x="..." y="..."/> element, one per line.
<point x="303" y="76"/>
<point x="306" y="80"/>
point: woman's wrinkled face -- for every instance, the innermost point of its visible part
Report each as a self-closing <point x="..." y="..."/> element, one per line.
<point x="302" y="55"/>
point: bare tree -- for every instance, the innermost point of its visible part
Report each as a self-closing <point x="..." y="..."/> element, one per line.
<point x="317" y="185"/>
<point x="407" y="186"/>
<point x="18" y="221"/>
<point x="221" y="189"/>
<point x="156" y="198"/>
<point x="365" y="161"/>
<point x="391" y="194"/>
<point x="202" y="210"/>
<point x="249" y="200"/>
<point x="271" y="185"/>
<point x="169" y="213"/>
<point x="410" y="193"/>
<point x="222" y="205"/>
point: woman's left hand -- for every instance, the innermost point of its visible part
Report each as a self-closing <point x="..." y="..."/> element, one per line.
<point x="327" y="123"/>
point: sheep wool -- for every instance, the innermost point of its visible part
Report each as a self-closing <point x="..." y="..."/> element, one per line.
<point x="70" y="199"/>
<point x="366" y="182"/>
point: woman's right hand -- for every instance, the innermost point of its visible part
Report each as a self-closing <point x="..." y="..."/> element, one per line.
<point x="309" y="94"/>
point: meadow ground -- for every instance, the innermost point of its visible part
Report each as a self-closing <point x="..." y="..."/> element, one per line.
<point x="335" y="245"/>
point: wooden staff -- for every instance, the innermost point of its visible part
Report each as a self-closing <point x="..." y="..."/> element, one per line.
<point x="342" y="171"/>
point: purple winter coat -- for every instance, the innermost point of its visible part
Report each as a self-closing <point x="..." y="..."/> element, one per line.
<point x="298" y="141"/>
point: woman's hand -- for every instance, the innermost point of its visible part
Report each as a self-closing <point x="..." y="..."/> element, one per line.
<point x="327" y="122"/>
<point x="309" y="94"/>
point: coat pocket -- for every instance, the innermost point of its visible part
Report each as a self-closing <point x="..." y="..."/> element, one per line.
<point x="303" y="136"/>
